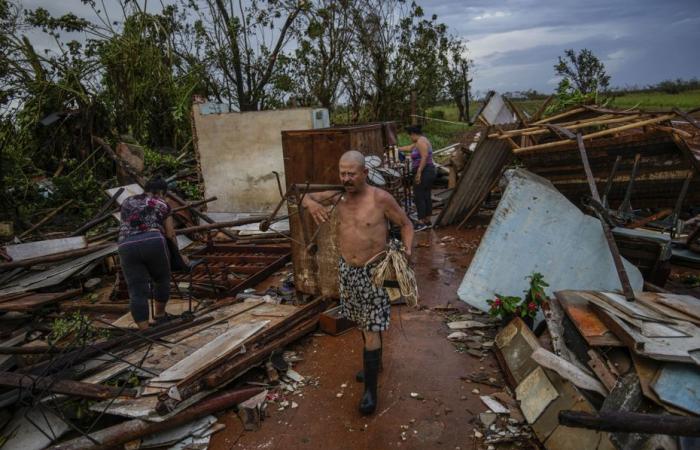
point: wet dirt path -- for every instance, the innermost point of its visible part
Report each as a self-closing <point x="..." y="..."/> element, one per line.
<point x="417" y="359"/>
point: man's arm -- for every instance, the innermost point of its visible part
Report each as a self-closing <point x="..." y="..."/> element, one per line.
<point x="315" y="201"/>
<point x="398" y="217"/>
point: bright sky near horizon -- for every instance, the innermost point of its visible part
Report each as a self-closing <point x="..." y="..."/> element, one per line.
<point x="515" y="43"/>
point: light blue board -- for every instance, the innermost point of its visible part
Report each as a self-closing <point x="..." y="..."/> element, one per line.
<point x="679" y="385"/>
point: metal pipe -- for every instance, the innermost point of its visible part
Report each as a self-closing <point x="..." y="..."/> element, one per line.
<point x="134" y="429"/>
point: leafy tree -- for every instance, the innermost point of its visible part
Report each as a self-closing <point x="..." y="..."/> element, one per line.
<point x="324" y="39"/>
<point x="583" y="72"/>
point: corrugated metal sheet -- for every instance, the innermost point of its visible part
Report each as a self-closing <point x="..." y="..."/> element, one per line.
<point x="484" y="169"/>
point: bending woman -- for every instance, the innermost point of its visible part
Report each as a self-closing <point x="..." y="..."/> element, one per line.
<point x="423" y="172"/>
<point x="143" y="250"/>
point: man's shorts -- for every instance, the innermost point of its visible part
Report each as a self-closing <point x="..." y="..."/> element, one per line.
<point x="360" y="300"/>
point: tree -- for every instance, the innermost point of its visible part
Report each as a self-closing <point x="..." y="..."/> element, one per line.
<point x="583" y="72"/>
<point x="457" y="66"/>
<point x="324" y="39"/>
<point x="242" y="46"/>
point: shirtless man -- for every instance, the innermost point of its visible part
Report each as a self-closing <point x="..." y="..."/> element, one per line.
<point x="363" y="212"/>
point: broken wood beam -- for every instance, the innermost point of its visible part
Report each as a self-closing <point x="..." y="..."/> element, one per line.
<point x="52" y="258"/>
<point x="46" y="218"/>
<point x="199" y="213"/>
<point x="194" y="204"/>
<point x="258" y="348"/>
<point x="67" y="387"/>
<point x="101" y="215"/>
<point x="132" y="340"/>
<point x="217" y="225"/>
<point x="93" y="223"/>
<point x="597" y="134"/>
<point x="134" y="429"/>
<point x="631" y="422"/>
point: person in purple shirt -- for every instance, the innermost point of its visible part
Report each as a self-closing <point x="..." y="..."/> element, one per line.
<point x="423" y="173"/>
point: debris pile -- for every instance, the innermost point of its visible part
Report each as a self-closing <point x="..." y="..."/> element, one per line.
<point x="614" y="359"/>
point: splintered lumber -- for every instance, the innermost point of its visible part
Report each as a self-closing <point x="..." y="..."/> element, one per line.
<point x="631" y="422"/>
<point x="218" y="225"/>
<point x="52" y="258"/>
<point x="68" y="387"/>
<point x="258" y="349"/>
<point x="131" y="340"/>
<point x="134" y="429"/>
<point x="597" y="134"/>
<point x="568" y="371"/>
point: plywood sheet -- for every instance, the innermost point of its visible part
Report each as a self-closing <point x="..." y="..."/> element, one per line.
<point x="679" y="385"/>
<point x="591" y="328"/>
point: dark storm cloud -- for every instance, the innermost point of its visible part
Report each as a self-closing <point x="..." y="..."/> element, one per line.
<point x="515" y="44"/>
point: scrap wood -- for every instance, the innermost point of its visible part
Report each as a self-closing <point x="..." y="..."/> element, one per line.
<point x="597" y="134"/>
<point x="632" y="422"/>
<point x="605" y="372"/>
<point x="675" y="348"/>
<point x="646" y="370"/>
<point x="210" y="354"/>
<point x="678" y="385"/>
<point x="252" y="411"/>
<point x="134" y="429"/>
<point x="59" y="386"/>
<point x="258" y="349"/>
<point x="592" y="329"/>
<point x="494" y="405"/>
<point x="568" y="371"/>
<point x="32" y="301"/>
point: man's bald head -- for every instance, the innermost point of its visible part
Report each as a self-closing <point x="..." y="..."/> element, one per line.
<point x="353" y="173"/>
<point x="353" y="156"/>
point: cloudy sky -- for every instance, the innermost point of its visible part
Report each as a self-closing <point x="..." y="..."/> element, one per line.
<point x="515" y="43"/>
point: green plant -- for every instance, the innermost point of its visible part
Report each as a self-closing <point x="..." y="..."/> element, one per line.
<point x="503" y="306"/>
<point x="78" y="325"/>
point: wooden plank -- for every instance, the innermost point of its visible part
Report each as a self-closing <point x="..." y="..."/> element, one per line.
<point x="30" y="302"/>
<point x="679" y="349"/>
<point x="684" y="303"/>
<point x="591" y="328"/>
<point x="20" y="252"/>
<point x="535" y="393"/>
<point x="679" y="385"/>
<point x="602" y="370"/>
<point x="568" y="371"/>
<point x="214" y="351"/>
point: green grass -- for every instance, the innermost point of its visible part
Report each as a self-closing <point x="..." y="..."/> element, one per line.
<point x="659" y="100"/>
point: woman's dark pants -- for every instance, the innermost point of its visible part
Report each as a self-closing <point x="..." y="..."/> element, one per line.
<point x="145" y="262"/>
<point x="421" y="193"/>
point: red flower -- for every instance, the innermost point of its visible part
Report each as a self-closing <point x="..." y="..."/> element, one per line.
<point x="497" y="302"/>
<point x="532" y="306"/>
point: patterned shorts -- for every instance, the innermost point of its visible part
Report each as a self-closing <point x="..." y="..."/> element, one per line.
<point x="360" y="300"/>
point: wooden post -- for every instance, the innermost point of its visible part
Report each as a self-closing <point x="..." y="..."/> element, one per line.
<point x="630" y="422"/>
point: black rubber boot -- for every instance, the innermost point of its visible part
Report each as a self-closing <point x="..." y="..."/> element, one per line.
<point x="369" y="400"/>
<point x="360" y="375"/>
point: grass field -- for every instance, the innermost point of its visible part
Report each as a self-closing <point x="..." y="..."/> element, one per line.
<point x="442" y="134"/>
<point x="659" y="100"/>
